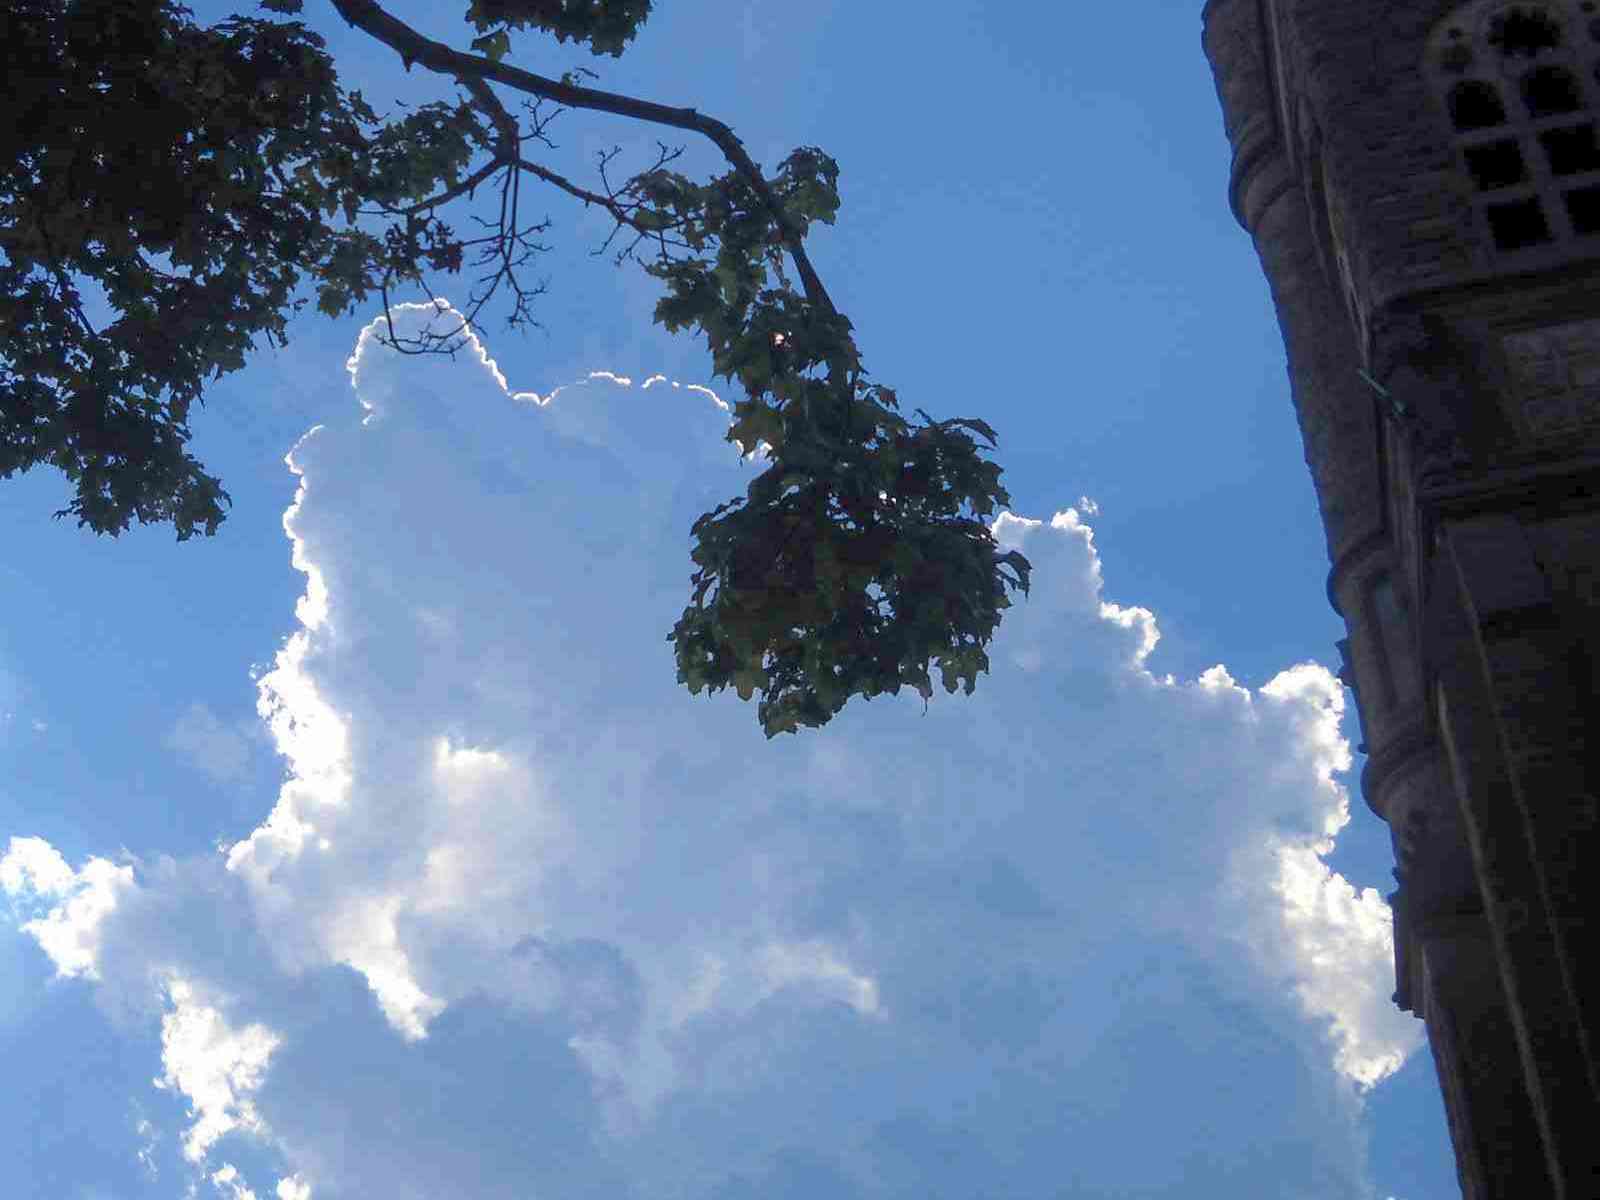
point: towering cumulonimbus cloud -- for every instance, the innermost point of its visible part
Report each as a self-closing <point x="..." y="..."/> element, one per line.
<point x="526" y="918"/>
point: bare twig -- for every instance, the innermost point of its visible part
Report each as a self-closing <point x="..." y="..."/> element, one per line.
<point x="469" y="184"/>
<point x="413" y="47"/>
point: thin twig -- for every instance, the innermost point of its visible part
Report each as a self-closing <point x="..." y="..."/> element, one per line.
<point x="413" y="47"/>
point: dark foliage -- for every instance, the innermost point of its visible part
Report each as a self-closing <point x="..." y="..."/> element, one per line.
<point x="195" y="175"/>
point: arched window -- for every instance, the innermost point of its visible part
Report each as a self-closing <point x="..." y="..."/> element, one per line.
<point x="1521" y="84"/>
<point x="1523" y="31"/>
<point x="1550" y="91"/>
<point x="1475" y="104"/>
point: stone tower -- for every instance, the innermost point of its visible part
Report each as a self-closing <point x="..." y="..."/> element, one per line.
<point x="1421" y="179"/>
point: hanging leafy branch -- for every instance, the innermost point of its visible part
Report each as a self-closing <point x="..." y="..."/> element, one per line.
<point x="856" y="562"/>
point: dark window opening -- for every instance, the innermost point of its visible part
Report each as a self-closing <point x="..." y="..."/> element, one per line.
<point x="1549" y="91"/>
<point x="1524" y="32"/>
<point x="1583" y="206"/>
<point x="1571" y="150"/>
<point x="1594" y="30"/>
<point x="1476" y="105"/>
<point x="1496" y="165"/>
<point x="1517" y="224"/>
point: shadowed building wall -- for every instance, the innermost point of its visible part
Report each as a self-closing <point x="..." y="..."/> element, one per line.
<point x="1421" y="180"/>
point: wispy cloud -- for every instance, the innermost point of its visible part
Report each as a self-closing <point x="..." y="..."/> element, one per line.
<point x="201" y="739"/>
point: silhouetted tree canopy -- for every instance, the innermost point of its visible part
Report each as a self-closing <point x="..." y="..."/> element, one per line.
<point x="199" y="175"/>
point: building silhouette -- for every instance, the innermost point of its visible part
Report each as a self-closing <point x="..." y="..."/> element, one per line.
<point x="1422" y="183"/>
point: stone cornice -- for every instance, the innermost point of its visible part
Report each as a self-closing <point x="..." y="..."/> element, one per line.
<point x="1398" y="751"/>
<point x="1260" y="177"/>
<point x="1373" y="543"/>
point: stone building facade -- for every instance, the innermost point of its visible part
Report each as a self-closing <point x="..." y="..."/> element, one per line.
<point x="1421" y="179"/>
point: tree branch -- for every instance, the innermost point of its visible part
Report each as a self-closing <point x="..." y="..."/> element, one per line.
<point x="370" y="17"/>
<point x="469" y="184"/>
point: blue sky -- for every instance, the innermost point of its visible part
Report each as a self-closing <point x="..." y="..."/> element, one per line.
<point x="369" y="848"/>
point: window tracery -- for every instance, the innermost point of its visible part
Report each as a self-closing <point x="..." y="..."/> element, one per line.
<point x="1520" y="82"/>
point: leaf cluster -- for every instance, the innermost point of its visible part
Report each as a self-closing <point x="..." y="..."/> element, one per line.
<point x="606" y="26"/>
<point x="858" y="559"/>
<point x="198" y="175"/>
<point x="190" y="174"/>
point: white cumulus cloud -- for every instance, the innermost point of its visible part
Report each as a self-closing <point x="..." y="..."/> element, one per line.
<point x="75" y="904"/>
<point x="216" y="1066"/>
<point x="526" y="918"/>
<point x="228" y="1183"/>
